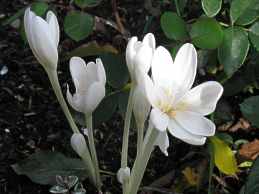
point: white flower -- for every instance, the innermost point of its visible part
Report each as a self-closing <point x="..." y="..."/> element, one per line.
<point x="89" y="81"/>
<point x="139" y="57"/>
<point x="140" y="54"/>
<point x="176" y="106"/>
<point x="123" y="174"/>
<point x="43" y="37"/>
<point x="78" y="143"/>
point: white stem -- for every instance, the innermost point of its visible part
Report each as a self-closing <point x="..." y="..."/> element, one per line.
<point x="125" y="142"/>
<point x="89" y="124"/>
<point x="141" y="162"/>
<point x="140" y="138"/>
<point x="53" y="77"/>
<point x="86" y="157"/>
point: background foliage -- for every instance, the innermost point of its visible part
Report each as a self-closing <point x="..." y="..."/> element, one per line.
<point x="226" y="34"/>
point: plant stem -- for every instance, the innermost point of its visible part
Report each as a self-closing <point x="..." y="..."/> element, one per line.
<point x="125" y="142"/>
<point x="140" y="138"/>
<point x="53" y="77"/>
<point x="126" y="130"/>
<point x="140" y="163"/>
<point x="86" y="157"/>
<point x="89" y="124"/>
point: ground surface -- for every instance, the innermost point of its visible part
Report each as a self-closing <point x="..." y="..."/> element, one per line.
<point x="31" y="119"/>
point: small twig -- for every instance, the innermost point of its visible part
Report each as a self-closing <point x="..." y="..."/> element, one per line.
<point x="117" y="17"/>
<point x="161" y="182"/>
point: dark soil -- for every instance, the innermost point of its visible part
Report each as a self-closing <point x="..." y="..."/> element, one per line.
<point x="30" y="116"/>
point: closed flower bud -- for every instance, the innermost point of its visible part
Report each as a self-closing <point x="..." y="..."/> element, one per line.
<point x="78" y="143"/>
<point x="43" y="38"/>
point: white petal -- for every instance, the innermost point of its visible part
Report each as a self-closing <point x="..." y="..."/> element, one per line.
<point x="153" y="93"/>
<point x="184" y="69"/>
<point x="149" y="39"/>
<point x="203" y="98"/>
<point x="123" y="174"/>
<point x="93" y="97"/>
<point x="143" y="58"/>
<point x="162" y="68"/>
<point x="141" y="106"/>
<point x="130" y="53"/>
<point x="78" y="72"/>
<point x="159" y="119"/>
<point x="195" y="123"/>
<point x="76" y="101"/>
<point x="101" y="71"/>
<point x="54" y="27"/>
<point x="28" y="16"/>
<point x="177" y="131"/>
<point x="43" y="43"/>
<point x="163" y="142"/>
<point x="78" y="143"/>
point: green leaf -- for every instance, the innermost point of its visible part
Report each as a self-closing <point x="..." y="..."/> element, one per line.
<point x="223" y="156"/>
<point x="91" y="49"/>
<point x="254" y="35"/>
<point x="43" y="166"/>
<point x="206" y="33"/>
<point x="106" y="109"/>
<point x="211" y="7"/>
<point x="244" y="12"/>
<point x="250" y="109"/>
<point x="233" y="51"/>
<point x="116" y="70"/>
<point x="173" y="26"/>
<point x="252" y="184"/>
<point x="86" y="3"/>
<point x="78" y="25"/>
<point x="39" y="8"/>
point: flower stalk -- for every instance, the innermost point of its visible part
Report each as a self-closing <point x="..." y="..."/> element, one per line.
<point x="53" y="77"/>
<point x="89" y="124"/>
<point x="141" y="161"/>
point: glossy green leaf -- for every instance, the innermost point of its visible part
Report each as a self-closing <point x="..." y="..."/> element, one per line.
<point x="86" y="3"/>
<point x="39" y="8"/>
<point x="223" y="156"/>
<point x="211" y="7"/>
<point x="244" y="12"/>
<point x="252" y="184"/>
<point x="42" y="167"/>
<point x="173" y="26"/>
<point x="78" y="25"/>
<point x="206" y="33"/>
<point x="254" y="35"/>
<point x="106" y="109"/>
<point x="250" y="109"/>
<point x="116" y="70"/>
<point x="233" y="51"/>
<point x="91" y="49"/>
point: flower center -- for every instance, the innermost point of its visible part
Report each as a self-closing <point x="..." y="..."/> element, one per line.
<point x="169" y="109"/>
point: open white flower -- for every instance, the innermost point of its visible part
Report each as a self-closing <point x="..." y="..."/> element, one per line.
<point x="176" y="106"/>
<point x="43" y="37"/>
<point x="89" y="81"/>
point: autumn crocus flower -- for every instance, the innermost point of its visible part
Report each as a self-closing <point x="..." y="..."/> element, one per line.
<point x="43" y="38"/>
<point x="139" y="54"/>
<point x="176" y="106"/>
<point x="89" y="81"/>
